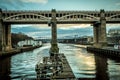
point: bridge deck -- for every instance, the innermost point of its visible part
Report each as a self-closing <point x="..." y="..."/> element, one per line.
<point x="64" y="17"/>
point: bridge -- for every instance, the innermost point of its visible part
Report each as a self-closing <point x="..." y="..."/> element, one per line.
<point x="98" y="19"/>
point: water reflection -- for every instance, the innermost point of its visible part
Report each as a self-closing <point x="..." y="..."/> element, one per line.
<point x="101" y="68"/>
<point x="114" y="69"/>
<point x="5" y="65"/>
<point x="82" y="63"/>
<point x="86" y="66"/>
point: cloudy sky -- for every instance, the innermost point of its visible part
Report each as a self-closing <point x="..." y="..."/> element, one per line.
<point x="67" y="30"/>
<point x="60" y="4"/>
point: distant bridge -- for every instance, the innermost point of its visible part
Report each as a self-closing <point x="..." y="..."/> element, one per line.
<point x="97" y="18"/>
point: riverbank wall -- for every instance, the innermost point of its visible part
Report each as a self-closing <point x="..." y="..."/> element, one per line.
<point x="16" y="51"/>
<point x="105" y="51"/>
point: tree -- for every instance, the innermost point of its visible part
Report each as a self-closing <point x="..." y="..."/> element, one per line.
<point x="18" y="37"/>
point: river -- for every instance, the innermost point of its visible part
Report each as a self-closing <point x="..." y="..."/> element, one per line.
<point x="85" y="65"/>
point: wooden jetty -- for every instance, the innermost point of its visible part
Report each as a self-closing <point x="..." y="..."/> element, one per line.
<point x="54" y="70"/>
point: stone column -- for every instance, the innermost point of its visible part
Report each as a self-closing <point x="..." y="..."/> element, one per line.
<point x="96" y="31"/>
<point x="100" y="39"/>
<point x="2" y="33"/>
<point x="54" y="47"/>
<point x="103" y="36"/>
<point x="5" y="35"/>
<point x="3" y="38"/>
<point x="0" y="30"/>
<point x="8" y="37"/>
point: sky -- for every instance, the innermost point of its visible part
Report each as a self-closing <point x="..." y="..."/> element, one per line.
<point x="60" y="4"/>
<point x="68" y="30"/>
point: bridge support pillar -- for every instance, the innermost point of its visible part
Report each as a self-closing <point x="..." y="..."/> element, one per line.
<point x="8" y="37"/>
<point x="103" y="37"/>
<point x="54" y="46"/>
<point x="96" y="30"/>
<point x="2" y="44"/>
<point x="100" y="39"/>
<point x="1" y="35"/>
<point x="5" y="35"/>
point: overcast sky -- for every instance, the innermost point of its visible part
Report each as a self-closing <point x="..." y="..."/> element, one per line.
<point x="67" y="30"/>
<point x="60" y="4"/>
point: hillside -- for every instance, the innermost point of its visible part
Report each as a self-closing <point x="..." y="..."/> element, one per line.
<point x="16" y="37"/>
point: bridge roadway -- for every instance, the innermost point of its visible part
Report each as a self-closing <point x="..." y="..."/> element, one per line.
<point x="98" y="19"/>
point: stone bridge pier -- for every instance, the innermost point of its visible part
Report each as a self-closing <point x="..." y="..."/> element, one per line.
<point x="5" y="35"/>
<point x="99" y="29"/>
<point x="53" y="23"/>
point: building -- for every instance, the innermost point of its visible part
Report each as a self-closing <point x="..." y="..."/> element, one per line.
<point x="113" y="36"/>
<point x="29" y="43"/>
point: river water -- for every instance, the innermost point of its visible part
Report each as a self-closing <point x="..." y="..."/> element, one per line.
<point x="85" y="65"/>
